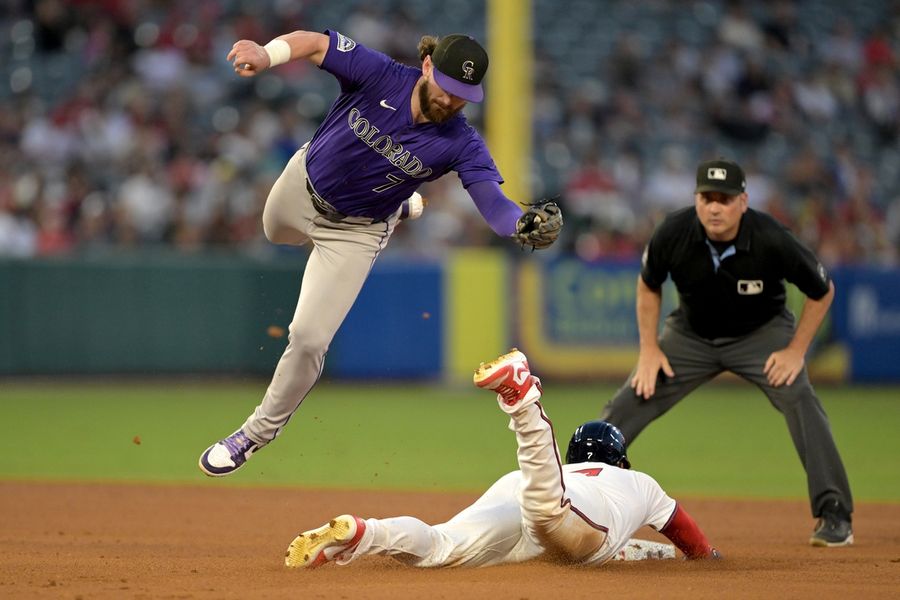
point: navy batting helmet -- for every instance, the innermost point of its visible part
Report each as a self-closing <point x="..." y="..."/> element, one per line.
<point x="598" y="441"/>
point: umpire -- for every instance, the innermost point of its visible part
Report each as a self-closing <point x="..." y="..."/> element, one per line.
<point x="729" y="263"/>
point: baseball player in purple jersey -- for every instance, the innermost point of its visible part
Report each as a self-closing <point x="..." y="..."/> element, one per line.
<point x="584" y="512"/>
<point x="392" y="128"/>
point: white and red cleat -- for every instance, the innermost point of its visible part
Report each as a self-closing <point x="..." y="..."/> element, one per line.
<point x="509" y="376"/>
<point x="333" y="541"/>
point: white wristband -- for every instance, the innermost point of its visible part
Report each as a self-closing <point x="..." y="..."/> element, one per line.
<point x="279" y="52"/>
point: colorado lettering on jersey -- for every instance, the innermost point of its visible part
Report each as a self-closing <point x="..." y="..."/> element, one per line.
<point x="385" y="146"/>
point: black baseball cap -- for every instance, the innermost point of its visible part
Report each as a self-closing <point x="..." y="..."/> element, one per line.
<point x="459" y="66"/>
<point x="721" y="176"/>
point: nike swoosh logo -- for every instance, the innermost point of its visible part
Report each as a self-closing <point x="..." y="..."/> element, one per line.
<point x="519" y="375"/>
<point x="384" y="104"/>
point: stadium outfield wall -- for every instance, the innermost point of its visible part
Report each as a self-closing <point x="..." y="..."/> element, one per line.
<point x="176" y="314"/>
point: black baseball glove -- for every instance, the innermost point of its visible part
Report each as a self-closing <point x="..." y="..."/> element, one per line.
<point x="539" y="225"/>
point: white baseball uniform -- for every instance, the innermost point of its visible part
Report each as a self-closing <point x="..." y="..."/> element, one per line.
<point x="584" y="513"/>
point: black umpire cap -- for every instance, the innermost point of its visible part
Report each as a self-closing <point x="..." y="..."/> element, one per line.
<point x="721" y="175"/>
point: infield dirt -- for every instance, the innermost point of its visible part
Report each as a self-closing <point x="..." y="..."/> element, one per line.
<point x="87" y="541"/>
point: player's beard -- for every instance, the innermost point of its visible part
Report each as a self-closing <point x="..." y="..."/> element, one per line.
<point x="431" y="109"/>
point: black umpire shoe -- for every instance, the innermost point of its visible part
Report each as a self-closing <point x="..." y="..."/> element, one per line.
<point x="833" y="528"/>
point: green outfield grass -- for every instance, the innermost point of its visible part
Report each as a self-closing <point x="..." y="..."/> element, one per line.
<point x="724" y="440"/>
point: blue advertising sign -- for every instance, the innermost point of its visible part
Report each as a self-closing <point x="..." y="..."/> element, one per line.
<point x="866" y="314"/>
<point x="587" y="326"/>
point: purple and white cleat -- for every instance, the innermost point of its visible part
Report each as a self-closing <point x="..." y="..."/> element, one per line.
<point x="228" y="455"/>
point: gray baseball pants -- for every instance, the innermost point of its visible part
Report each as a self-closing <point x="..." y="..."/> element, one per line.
<point x="696" y="360"/>
<point x="342" y="256"/>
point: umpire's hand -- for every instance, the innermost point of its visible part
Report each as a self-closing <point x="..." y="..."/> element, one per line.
<point x="782" y="367"/>
<point x="650" y="361"/>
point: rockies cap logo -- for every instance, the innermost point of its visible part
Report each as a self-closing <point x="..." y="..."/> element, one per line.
<point x="459" y="66"/>
<point x="468" y="68"/>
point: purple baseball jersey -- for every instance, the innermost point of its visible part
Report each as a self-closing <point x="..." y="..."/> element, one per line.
<point x="368" y="155"/>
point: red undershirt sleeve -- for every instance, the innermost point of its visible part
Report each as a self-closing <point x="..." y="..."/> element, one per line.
<point x="684" y="532"/>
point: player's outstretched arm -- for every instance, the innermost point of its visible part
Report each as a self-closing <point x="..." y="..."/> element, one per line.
<point x="538" y="227"/>
<point x="500" y="213"/>
<point x="249" y="58"/>
<point x="684" y="532"/>
<point x="651" y="358"/>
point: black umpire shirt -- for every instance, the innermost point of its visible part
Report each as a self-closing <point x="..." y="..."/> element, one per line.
<point x="733" y="290"/>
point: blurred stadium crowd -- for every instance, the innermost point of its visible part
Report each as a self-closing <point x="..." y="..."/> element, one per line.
<point x="123" y="126"/>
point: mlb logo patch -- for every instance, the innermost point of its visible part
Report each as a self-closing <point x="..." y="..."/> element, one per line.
<point x="717" y="173"/>
<point x="345" y="44"/>
<point x="749" y="287"/>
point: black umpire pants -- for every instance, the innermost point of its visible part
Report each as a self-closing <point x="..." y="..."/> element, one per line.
<point x="696" y="360"/>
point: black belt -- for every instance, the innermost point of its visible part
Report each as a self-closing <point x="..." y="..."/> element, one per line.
<point x="322" y="206"/>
